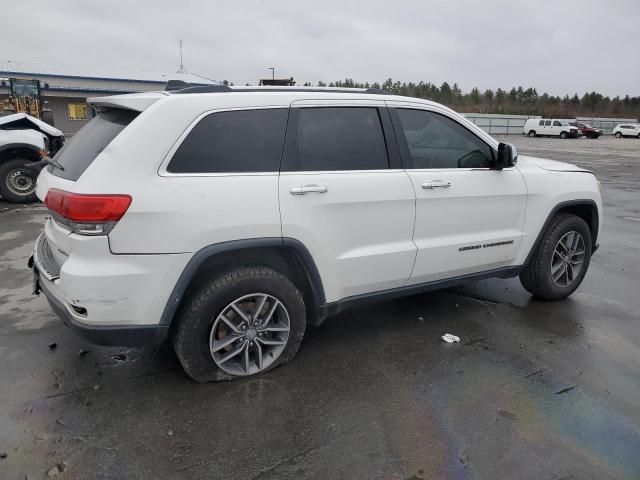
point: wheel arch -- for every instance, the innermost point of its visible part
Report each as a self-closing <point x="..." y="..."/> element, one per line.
<point x="11" y="151"/>
<point x="286" y="255"/>
<point x="585" y="209"/>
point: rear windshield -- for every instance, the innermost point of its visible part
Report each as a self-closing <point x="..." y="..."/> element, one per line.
<point x="83" y="148"/>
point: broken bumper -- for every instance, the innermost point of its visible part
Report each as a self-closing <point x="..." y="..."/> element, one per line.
<point x="106" y="335"/>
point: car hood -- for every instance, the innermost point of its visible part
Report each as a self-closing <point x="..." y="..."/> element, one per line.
<point x="551" y="165"/>
<point x="19" y="121"/>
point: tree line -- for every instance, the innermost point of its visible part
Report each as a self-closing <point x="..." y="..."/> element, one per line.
<point x="517" y="101"/>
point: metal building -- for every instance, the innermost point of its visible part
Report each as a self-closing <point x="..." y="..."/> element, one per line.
<point x="66" y="88"/>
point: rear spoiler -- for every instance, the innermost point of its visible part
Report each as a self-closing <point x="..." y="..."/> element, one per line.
<point x="132" y="101"/>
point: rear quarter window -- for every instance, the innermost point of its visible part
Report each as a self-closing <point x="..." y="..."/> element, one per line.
<point x="82" y="149"/>
<point x="233" y="142"/>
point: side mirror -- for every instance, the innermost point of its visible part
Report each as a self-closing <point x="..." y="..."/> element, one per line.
<point x="507" y="156"/>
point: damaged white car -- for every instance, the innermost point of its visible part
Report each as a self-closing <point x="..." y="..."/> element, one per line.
<point x="24" y="140"/>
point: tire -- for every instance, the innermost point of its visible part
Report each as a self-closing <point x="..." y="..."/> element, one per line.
<point x="18" y="183"/>
<point x="536" y="277"/>
<point x="563" y="135"/>
<point x="618" y="135"/>
<point x="532" y="133"/>
<point x="199" y="322"/>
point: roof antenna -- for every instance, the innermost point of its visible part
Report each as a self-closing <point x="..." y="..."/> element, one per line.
<point x="182" y="69"/>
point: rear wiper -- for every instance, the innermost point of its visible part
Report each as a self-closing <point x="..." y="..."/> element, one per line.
<point x="50" y="161"/>
<point x="45" y="159"/>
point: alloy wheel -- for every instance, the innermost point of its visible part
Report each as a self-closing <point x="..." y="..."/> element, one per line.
<point x="567" y="259"/>
<point x="249" y="334"/>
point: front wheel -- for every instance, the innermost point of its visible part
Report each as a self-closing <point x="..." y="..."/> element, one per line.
<point x="561" y="260"/>
<point x="17" y="182"/>
<point x="243" y="322"/>
<point x="563" y="135"/>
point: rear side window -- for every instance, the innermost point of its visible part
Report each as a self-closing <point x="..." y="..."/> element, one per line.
<point x="547" y="123"/>
<point x="234" y="141"/>
<point x="338" y="138"/>
<point x="82" y="149"/>
<point x="541" y="123"/>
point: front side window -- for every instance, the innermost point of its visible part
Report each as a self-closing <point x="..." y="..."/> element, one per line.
<point x="436" y="141"/>
<point x="556" y="123"/>
<point x="338" y="138"/>
<point x="233" y="142"/>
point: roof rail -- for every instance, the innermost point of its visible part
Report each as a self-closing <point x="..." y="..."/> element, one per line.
<point x="175" y="85"/>
<point x="205" y="89"/>
<point x="187" y="88"/>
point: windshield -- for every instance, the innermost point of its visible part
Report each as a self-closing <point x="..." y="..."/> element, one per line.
<point x="586" y="125"/>
<point x="83" y="148"/>
<point x="564" y="122"/>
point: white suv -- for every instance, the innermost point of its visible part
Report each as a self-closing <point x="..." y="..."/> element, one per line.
<point x="231" y="218"/>
<point x="627" y="130"/>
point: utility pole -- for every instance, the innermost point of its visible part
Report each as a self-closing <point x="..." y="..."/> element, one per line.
<point x="273" y="72"/>
<point x="182" y="69"/>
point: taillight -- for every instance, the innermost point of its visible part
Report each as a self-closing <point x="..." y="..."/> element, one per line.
<point x="86" y="214"/>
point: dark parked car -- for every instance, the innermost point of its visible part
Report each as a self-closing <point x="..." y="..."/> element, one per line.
<point x="587" y="130"/>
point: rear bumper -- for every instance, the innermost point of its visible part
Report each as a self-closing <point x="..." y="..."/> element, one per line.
<point x="114" y="300"/>
<point x="106" y="335"/>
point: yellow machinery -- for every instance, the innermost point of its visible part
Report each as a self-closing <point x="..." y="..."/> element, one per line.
<point x="24" y="97"/>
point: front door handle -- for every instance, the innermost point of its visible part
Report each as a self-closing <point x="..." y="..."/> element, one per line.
<point x="436" y="184"/>
<point x="308" y="189"/>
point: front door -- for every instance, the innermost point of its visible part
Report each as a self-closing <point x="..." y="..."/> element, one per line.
<point x="469" y="218"/>
<point x="344" y="195"/>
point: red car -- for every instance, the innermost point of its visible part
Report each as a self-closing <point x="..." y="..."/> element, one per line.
<point x="588" y="131"/>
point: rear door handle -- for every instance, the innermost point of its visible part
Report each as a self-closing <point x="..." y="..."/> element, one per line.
<point x="436" y="184"/>
<point x="308" y="189"/>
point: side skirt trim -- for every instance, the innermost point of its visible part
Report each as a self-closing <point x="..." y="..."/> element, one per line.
<point x="333" y="308"/>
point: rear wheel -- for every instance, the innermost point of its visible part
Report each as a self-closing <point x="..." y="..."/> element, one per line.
<point x="243" y="322"/>
<point x="618" y="135"/>
<point x="563" y="135"/>
<point x="561" y="260"/>
<point x="532" y="133"/>
<point x="17" y="182"/>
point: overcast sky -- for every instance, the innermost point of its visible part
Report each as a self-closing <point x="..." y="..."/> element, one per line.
<point x="560" y="47"/>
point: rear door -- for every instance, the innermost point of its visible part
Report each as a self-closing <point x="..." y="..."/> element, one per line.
<point x="344" y="195"/>
<point x="469" y="218"/>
